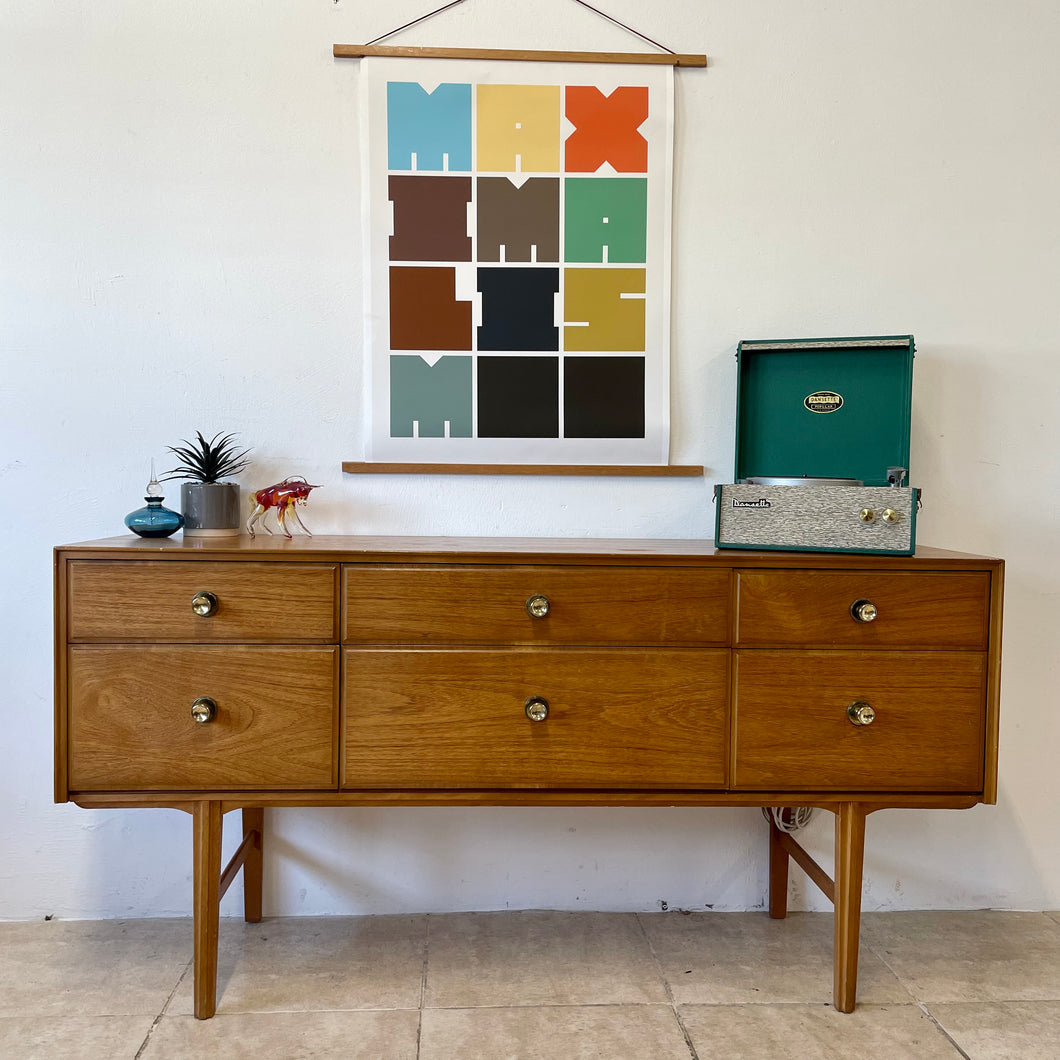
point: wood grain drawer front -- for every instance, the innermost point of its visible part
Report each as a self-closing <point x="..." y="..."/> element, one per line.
<point x="813" y="609"/>
<point x="456" y="719"/>
<point x="791" y="729"/>
<point x="585" y="605"/>
<point x="130" y="723"/>
<point x="153" y="601"/>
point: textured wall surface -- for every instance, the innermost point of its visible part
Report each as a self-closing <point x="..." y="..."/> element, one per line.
<point x="179" y="222"/>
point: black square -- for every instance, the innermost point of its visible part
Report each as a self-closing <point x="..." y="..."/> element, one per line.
<point x="518" y="397"/>
<point x="603" y="397"/>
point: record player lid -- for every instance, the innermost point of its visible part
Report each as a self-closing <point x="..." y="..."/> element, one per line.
<point x="823" y="408"/>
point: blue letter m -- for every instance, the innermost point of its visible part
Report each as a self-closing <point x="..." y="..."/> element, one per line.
<point x="429" y="126"/>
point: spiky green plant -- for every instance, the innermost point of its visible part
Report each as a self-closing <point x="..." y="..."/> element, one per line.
<point x="208" y="461"/>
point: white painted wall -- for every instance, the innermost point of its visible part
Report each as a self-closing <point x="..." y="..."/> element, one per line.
<point x="180" y="250"/>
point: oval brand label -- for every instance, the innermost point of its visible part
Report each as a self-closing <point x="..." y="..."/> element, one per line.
<point x="823" y="401"/>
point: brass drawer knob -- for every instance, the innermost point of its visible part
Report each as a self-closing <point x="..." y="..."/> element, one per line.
<point x="538" y="605"/>
<point x="204" y="604"/>
<point x="891" y="516"/>
<point x="536" y="708"/>
<point x="863" y="611"/>
<point x="867" y="515"/>
<point x="861" y="713"/>
<point x="204" y="709"/>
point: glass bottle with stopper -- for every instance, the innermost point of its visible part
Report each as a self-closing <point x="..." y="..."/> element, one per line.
<point x="154" y="520"/>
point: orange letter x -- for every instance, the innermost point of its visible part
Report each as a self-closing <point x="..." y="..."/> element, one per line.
<point x="606" y="130"/>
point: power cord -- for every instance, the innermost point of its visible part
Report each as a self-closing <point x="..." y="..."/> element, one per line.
<point x="788" y="818"/>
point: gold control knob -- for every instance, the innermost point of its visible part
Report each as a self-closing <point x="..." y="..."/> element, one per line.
<point x="891" y="516"/>
<point x="863" y="611"/>
<point x="867" y="515"/>
<point x="204" y="604"/>
<point x="536" y="708"/>
<point x="538" y="605"/>
<point x="861" y="713"/>
<point x="204" y="709"/>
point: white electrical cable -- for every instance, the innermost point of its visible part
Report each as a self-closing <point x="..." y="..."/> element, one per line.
<point x="788" y="818"/>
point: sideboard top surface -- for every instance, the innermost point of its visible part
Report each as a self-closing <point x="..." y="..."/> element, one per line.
<point x="502" y="549"/>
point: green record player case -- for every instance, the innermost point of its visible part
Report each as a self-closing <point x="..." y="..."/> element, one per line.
<point x="822" y="447"/>
<point x="777" y="432"/>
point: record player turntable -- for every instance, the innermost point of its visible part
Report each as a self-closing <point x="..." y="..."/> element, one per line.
<point x="822" y="448"/>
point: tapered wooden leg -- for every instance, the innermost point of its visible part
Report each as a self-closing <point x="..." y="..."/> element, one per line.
<point x="778" y="874"/>
<point x="849" y="865"/>
<point x="206" y="841"/>
<point x="253" y="821"/>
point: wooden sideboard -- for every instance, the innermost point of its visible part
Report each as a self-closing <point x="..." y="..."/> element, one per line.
<point x="219" y="674"/>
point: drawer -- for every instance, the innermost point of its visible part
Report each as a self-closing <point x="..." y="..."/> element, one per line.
<point x="580" y="605"/>
<point x="813" y="609"/>
<point x="130" y="724"/>
<point x="627" y="719"/>
<point x="791" y="728"/>
<point x="153" y="601"/>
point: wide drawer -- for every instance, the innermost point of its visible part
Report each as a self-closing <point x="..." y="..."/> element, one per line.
<point x="912" y="609"/>
<point x="792" y="729"/>
<point x="153" y="601"/>
<point x="131" y="727"/>
<point x="578" y="605"/>
<point x="456" y="719"/>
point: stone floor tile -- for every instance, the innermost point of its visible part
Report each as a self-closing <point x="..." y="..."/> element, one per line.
<point x="1053" y="914"/>
<point x="91" y="967"/>
<point x="287" y="1036"/>
<point x="72" y="1037"/>
<point x="969" y="955"/>
<point x="1003" y="1030"/>
<point x="627" y="1032"/>
<point x="305" y="963"/>
<point x="815" y="1032"/>
<point x="736" y="958"/>
<point x="539" y="958"/>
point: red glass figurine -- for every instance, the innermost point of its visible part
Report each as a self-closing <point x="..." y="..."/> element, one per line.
<point x="283" y="497"/>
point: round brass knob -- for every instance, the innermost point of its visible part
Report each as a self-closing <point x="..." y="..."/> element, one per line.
<point x="867" y="515"/>
<point x="204" y="604"/>
<point x="538" y="605"/>
<point x="861" y="713"/>
<point x="536" y="708"/>
<point x="204" y="709"/>
<point x="863" y="611"/>
<point x="891" y="516"/>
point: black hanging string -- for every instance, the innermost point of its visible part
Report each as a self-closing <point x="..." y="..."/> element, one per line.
<point x="628" y="29"/>
<point x="582" y="3"/>
<point x="422" y="18"/>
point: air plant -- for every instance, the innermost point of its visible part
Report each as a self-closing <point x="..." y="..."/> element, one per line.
<point x="208" y="461"/>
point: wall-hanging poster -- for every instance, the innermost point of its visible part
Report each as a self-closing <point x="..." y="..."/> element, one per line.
<point x="517" y="220"/>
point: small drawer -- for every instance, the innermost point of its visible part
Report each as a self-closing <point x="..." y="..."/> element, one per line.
<point x="794" y="726"/>
<point x="207" y="601"/>
<point x="536" y="605"/>
<point x="862" y="609"/>
<point x="459" y="719"/>
<point x="131" y="725"/>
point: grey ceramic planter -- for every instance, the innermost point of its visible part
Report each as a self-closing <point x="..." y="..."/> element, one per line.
<point x="210" y="509"/>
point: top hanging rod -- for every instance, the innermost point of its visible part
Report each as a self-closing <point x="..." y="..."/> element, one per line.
<point x="360" y="51"/>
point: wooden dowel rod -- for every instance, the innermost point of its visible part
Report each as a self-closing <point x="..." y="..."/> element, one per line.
<point x="233" y="867"/>
<point x="353" y="467"/>
<point x="809" y="866"/>
<point x="360" y="51"/>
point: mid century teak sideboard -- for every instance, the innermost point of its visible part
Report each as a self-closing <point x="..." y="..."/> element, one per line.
<point x="220" y="674"/>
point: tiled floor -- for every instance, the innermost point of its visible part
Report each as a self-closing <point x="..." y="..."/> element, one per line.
<point x="537" y="986"/>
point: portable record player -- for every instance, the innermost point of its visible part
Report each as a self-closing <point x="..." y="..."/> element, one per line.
<point x="822" y="447"/>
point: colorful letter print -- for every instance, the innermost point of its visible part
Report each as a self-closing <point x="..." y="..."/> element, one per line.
<point x="522" y="297"/>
